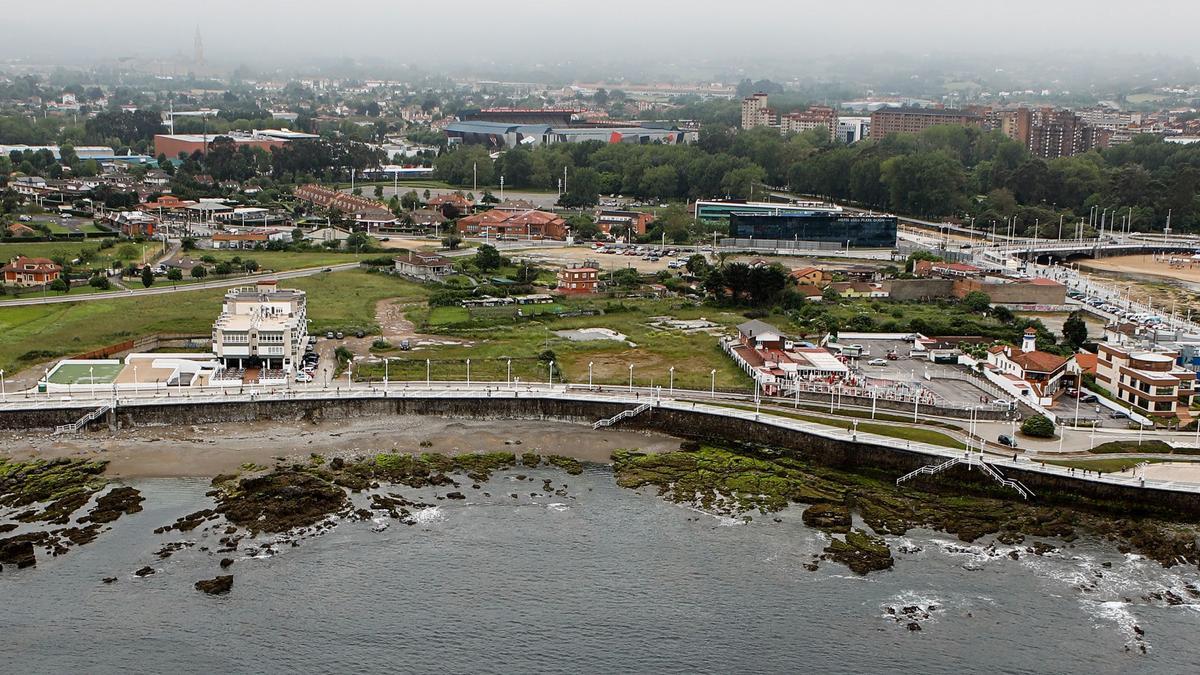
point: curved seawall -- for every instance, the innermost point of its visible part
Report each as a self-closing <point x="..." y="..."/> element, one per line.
<point x="886" y="457"/>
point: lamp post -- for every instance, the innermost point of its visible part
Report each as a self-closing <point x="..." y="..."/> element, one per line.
<point x="551" y="380"/>
<point x="508" y="377"/>
<point x="135" y="382"/>
<point x="713" y="391"/>
<point x="3" y="393"/>
<point x="349" y="370"/>
<point x="590" y="364"/>
<point x="385" y="373"/>
<point x="631" y="377"/>
<point x="427" y="384"/>
<point x="671" y="387"/>
<point x="92" y="379"/>
<point x="468" y="373"/>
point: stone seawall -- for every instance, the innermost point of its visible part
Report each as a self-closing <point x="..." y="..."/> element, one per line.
<point x="889" y="461"/>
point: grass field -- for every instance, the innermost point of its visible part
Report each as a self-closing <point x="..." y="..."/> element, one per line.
<point x="494" y="339"/>
<point x="31" y="334"/>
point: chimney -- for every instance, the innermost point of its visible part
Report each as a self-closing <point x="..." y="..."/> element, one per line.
<point x="1029" y="340"/>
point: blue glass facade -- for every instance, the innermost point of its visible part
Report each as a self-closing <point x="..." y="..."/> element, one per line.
<point x="853" y="230"/>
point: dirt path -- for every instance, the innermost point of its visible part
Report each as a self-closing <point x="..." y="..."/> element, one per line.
<point x="210" y="449"/>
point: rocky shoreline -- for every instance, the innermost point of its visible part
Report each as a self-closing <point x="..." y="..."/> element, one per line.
<point x="261" y="508"/>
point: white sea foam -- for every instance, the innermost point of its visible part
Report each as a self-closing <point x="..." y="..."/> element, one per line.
<point x="429" y="515"/>
<point x="558" y="507"/>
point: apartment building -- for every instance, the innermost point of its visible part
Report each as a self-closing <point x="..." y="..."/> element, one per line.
<point x="888" y="121"/>
<point x="262" y="326"/>
<point x="815" y="117"/>
<point x="756" y="112"/>
<point x="1047" y="132"/>
<point x="1150" y="381"/>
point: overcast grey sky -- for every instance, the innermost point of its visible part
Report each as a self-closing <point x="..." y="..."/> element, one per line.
<point x="273" y="32"/>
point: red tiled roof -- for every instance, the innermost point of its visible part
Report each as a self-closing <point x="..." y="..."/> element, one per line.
<point x="1038" y="362"/>
<point x="1086" y="362"/>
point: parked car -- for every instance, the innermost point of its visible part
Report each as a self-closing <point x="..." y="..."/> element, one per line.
<point x="405" y="345"/>
<point x="339" y="335"/>
<point x="1005" y="439"/>
<point x="877" y="362"/>
<point x="359" y="334"/>
<point x="303" y="377"/>
<point x="328" y="335"/>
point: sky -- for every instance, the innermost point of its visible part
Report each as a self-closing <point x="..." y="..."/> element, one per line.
<point x="270" y="33"/>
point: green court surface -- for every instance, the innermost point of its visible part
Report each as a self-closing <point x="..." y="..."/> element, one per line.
<point x="81" y="373"/>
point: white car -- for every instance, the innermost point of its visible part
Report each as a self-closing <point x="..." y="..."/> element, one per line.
<point x="303" y="377"/>
<point x="877" y="362"/>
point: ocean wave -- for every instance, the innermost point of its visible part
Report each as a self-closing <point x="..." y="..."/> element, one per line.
<point x="557" y="506"/>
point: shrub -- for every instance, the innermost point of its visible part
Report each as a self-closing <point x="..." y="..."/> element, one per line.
<point x="1038" y="426"/>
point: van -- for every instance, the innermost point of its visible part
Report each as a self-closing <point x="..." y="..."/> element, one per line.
<point x="1005" y="439"/>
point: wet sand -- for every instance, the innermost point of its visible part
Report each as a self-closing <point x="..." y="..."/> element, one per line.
<point x="207" y="450"/>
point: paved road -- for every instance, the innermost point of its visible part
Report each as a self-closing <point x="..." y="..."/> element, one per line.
<point x="164" y="289"/>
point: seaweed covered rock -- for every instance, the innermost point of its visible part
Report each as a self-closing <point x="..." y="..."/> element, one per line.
<point x="861" y="552"/>
<point x="827" y="517"/>
<point x="281" y="500"/>
<point x="219" y="585"/>
<point x="118" y="502"/>
<point x="725" y="481"/>
<point x="66" y="483"/>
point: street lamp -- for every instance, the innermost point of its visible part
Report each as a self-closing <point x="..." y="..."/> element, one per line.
<point x="713" y="374"/>
<point x="92" y="379"/>
<point x="135" y="382"/>
<point x="551" y="368"/>
<point x="4" y="394"/>
<point x="468" y="373"/>
<point x="349" y="370"/>
<point x="631" y="377"/>
<point x="671" y="387"/>
<point x="590" y="364"/>
<point x="508" y="377"/>
<point x="427" y="385"/>
<point x="386" y="360"/>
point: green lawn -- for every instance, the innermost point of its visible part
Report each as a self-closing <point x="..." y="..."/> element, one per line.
<point x="282" y="261"/>
<point x="908" y="433"/>
<point x="338" y="301"/>
<point x="78" y="373"/>
<point x="70" y="250"/>
<point x="1105" y="465"/>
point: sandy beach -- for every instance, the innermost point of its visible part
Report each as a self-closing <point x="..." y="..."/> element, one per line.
<point x="1146" y="264"/>
<point x="207" y="450"/>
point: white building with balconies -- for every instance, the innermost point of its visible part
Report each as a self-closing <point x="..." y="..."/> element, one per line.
<point x="262" y="326"/>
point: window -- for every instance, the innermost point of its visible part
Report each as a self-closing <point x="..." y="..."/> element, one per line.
<point x="1164" y="391"/>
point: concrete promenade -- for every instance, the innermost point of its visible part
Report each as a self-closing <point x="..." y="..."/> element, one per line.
<point x="706" y="403"/>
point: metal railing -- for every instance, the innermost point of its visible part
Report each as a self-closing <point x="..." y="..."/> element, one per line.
<point x="992" y="472"/>
<point x="621" y="415"/>
<point x="79" y="423"/>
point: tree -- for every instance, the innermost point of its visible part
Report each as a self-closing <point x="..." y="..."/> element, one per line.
<point x="100" y="281"/>
<point x="487" y="258"/>
<point x="357" y="241"/>
<point x="976" y="301"/>
<point x="830" y="294"/>
<point x="175" y="274"/>
<point x="60" y="285"/>
<point x="697" y="265"/>
<point x="199" y="272"/>
<point x="1038" y="426"/>
<point x="147" y="276"/>
<point x="379" y="192"/>
<point x="250" y="265"/>
<point x="1075" y="330"/>
<point x="188" y="243"/>
<point x="223" y="268"/>
<point x="297" y="235"/>
<point x="452" y="241"/>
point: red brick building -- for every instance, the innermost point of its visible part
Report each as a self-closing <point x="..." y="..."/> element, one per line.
<point x="524" y="224"/>
<point x="578" y="280"/>
<point x="24" y="271"/>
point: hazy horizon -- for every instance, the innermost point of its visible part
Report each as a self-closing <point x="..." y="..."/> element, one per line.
<point x="707" y="37"/>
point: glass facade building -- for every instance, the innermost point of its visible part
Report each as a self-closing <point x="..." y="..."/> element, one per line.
<point x="855" y="231"/>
